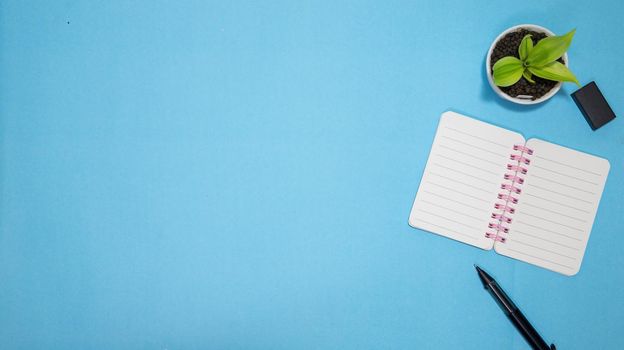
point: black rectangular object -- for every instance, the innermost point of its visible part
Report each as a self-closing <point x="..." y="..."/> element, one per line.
<point x="593" y="105"/>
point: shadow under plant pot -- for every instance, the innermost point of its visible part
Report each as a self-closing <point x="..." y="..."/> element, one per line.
<point x="522" y="92"/>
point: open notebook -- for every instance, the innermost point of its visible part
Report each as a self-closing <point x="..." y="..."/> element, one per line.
<point x="529" y="200"/>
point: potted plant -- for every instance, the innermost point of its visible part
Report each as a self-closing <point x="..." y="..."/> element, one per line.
<point x="527" y="64"/>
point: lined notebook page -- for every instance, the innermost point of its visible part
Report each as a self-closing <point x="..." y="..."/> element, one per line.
<point x="556" y="211"/>
<point x="462" y="178"/>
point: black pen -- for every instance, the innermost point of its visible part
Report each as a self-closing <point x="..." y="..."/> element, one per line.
<point x="513" y="313"/>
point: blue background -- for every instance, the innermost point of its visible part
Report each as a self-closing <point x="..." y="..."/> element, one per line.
<point x="238" y="175"/>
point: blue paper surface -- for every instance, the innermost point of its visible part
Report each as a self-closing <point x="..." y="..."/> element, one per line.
<point x="238" y="175"/>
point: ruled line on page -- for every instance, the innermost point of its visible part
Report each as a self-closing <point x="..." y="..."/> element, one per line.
<point x="448" y="229"/>
<point x="546" y="250"/>
<point x="556" y="202"/>
<point x="467" y="164"/>
<point x="456" y="191"/>
<point x="544" y="239"/>
<point x="460" y="182"/>
<point x="453" y="200"/>
<point x="478" y="138"/>
<point x="547" y="230"/>
<point x="454" y="212"/>
<point x="447" y="219"/>
<point x="566" y="175"/>
<point x="553" y="222"/>
<point x="570" y="166"/>
<point x="540" y="258"/>
<point x="561" y="184"/>
<point x="469" y="155"/>
<point x="561" y="194"/>
<point x="473" y="146"/>
<point x="461" y="172"/>
<point x="554" y="212"/>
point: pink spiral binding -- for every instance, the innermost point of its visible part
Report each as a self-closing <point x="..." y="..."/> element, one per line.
<point x="511" y="186"/>
<point x="524" y="149"/>
<point x="514" y="178"/>
<point x="501" y="217"/>
<point x="508" y="198"/>
<point x="498" y="227"/>
<point x="504" y="207"/>
<point x="517" y="168"/>
<point x="520" y="159"/>
<point x="495" y="237"/>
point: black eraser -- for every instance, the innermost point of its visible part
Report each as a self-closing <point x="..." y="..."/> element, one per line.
<point x="593" y="105"/>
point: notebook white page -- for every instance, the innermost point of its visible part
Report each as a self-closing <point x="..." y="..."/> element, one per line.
<point x="462" y="179"/>
<point x="556" y="209"/>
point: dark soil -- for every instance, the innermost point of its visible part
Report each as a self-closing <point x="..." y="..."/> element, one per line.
<point x="508" y="46"/>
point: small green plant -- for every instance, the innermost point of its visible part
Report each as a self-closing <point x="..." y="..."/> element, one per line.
<point x="540" y="61"/>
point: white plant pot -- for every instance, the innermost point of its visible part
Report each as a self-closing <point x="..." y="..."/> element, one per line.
<point x="523" y="100"/>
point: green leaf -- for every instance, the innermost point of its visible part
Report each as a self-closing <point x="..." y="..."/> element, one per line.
<point x="528" y="76"/>
<point x="525" y="48"/>
<point x="554" y="71"/>
<point x="507" y="71"/>
<point x="549" y="49"/>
